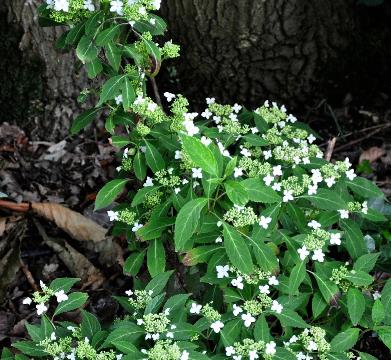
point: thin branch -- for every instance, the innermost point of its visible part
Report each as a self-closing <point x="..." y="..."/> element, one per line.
<point x="156" y="92"/>
<point x="330" y="148"/>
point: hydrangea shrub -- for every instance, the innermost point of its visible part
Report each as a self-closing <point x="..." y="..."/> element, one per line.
<point x="266" y="237"/>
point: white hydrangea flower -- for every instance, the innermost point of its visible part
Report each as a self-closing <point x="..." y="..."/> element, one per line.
<point x="288" y="196"/>
<point x="206" y="114"/>
<point x="185" y="355"/>
<point x="314" y="224"/>
<point x="245" y="152"/>
<point x="136" y="226"/>
<point x="318" y="255"/>
<point x="148" y="182"/>
<point x="237" y="108"/>
<point x="218" y="240"/>
<point x="41" y="309"/>
<point x="364" y="208"/>
<point x="376" y="295"/>
<point x="316" y="176"/>
<point x="277" y="171"/>
<point x="222" y="271"/>
<point x="116" y="6"/>
<point x="330" y="181"/>
<point x="267" y="154"/>
<point x="238" y="172"/>
<point x="169" y="96"/>
<point x="303" y="252"/>
<point x="335" y="239"/>
<point x="270" y="348"/>
<point x="344" y="214"/>
<point x="113" y="215"/>
<point x="196" y="173"/>
<point x="217" y="326"/>
<point x="248" y="319"/>
<point x="276" y="186"/>
<point x="265" y="221"/>
<point x="210" y="101"/>
<point x="312" y="189"/>
<point x="27" y="301"/>
<point x="264" y="289"/>
<point x="350" y="174"/>
<point x="61" y="5"/>
<point x="88" y="5"/>
<point x="312" y="346"/>
<point x="206" y="141"/>
<point x="236" y="310"/>
<point x="273" y="280"/>
<point x="61" y="296"/>
<point x="229" y="351"/>
<point x="129" y="292"/>
<point x="277" y="307"/>
<point x="195" y="308"/>
<point x="311" y="138"/>
<point x="268" y="179"/>
<point x="238" y="283"/>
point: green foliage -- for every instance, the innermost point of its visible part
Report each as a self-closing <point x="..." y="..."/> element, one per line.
<point x="270" y="241"/>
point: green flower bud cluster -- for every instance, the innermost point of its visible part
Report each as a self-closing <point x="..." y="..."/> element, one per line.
<point x="141" y="299"/>
<point x="142" y="129"/>
<point x="133" y="11"/>
<point x="243" y="349"/>
<point x="220" y="110"/>
<point x="164" y="350"/>
<point x="273" y="136"/>
<point x="272" y="114"/>
<point x="84" y="350"/>
<point x="313" y="339"/>
<point x="57" y="347"/>
<point x="210" y="313"/>
<point x="170" y="50"/>
<point x="147" y="108"/>
<point x="297" y="185"/>
<point x="354" y="206"/>
<point x="75" y="13"/>
<point x="165" y="179"/>
<point x="316" y="239"/>
<point x="241" y="216"/>
<point x="126" y="164"/>
<point x="156" y="323"/>
<point x="186" y="163"/>
<point x="127" y="216"/>
<point x="153" y="199"/>
<point x="254" y="278"/>
<point x="255" y="168"/>
<point x="294" y="133"/>
<point x="338" y="277"/>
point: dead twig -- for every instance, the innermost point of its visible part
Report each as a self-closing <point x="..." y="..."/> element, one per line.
<point x="9" y="205"/>
<point x="28" y="275"/>
<point x="156" y="92"/>
<point x="330" y="148"/>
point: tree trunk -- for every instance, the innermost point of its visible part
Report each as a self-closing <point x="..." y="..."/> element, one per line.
<point x="252" y="50"/>
<point x="39" y="83"/>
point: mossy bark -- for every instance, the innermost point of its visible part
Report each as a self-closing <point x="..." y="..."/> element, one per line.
<point x="252" y="50"/>
<point x="39" y="83"/>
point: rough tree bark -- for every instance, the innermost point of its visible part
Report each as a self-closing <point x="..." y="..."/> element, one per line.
<point x="252" y="50"/>
<point x="39" y="84"/>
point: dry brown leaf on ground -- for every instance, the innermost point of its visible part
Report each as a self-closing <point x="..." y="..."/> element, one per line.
<point x="76" y="262"/>
<point x="73" y="223"/>
<point x="372" y="154"/>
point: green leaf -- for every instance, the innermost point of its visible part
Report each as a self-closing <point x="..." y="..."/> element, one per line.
<point x="365" y="356"/>
<point x="128" y="94"/>
<point x="94" y="68"/>
<point x="344" y="340"/>
<point x="237" y="249"/>
<point x="34" y="332"/>
<point x="75" y="34"/>
<point x="200" y="254"/>
<point x="75" y="301"/>
<point x="354" y="239"/>
<point x="386" y="301"/>
<point x="201" y="155"/>
<point x="229" y="169"/>
<point x="259" y="192"/>
<point x="154" y="228"/>
<point x="111" y="88"/>
<point x="266" y="258"/>
<point x="86" y="50"/>
<point x="385" y="335"/>
<point x="113" y="55"/>
<point x="318" y="305"/>
<point x="187" y="221"/>
<point x="261" y="330"/>
<point x="129" y="333"/>
<point x="6" y="354"/>
<point x="291" y="318"/>
<point x="327" y="288"/>
<point x="378" y="313"/>
<point x="236" y="192"/>
<point x="154" y="159"/>
<point x="30" y="348"/>
<point x="176" y="304"/>
<point x="133" y="263"/>
<point x="156" y="257"/>
<point x="364" y="188"/>
<point x="359" y="278"/>
<point x="366" y="262"/>
<point x="83" y="120"/>
<point x="326" y="199"/>
<point x="63" y="284"/>
<point x="120" y="141"/>
<point x="231" y="331"/>
<point x="89" y="325"/>
<point x="127" y="348"/>
<point x="158" y="283"/>
<point x="139" y="166"/>
<point x="296" y="277"/>
<point x="109" y="192"/>
<point x="93" y="22"/>
<point x="356" y="305"/>
<point x="107" y="35"/>
<point x="152" y="50"/>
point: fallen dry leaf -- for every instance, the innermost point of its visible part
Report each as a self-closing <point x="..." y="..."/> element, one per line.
<point x="76" y="262"/>
<point x="73" y="223"/>
<point x="372" y="154"/>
